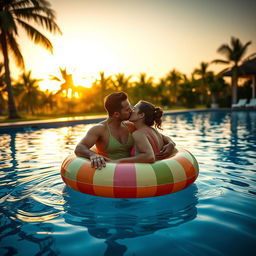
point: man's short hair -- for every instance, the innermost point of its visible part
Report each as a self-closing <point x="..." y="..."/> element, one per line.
<point x="113" y="102"/>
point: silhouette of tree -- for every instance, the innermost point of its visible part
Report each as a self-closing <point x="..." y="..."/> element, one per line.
<point x="203" y="74"/>
<point x="48" y="100"/>
<point x="174" y="78"/>
<point x="29" y="92"/>
<point x="234" y="54"/>
<point x="66" y="88"/>
<point x="2" y="88"/>
<point x="15" y="14"/>
<point x="143" y="89"/>
<point x="121" y="83"/>
<point x="216" y="85"/>
<point x="103" y="84"/>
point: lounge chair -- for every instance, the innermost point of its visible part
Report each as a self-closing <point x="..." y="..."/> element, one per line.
<point x="241" y="103"/>
<point x="251" y="104"/>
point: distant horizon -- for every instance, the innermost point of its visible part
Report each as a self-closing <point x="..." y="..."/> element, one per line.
<point x="134" y="37"/>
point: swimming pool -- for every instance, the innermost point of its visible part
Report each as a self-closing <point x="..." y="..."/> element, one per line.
<point x="39" y="215"/>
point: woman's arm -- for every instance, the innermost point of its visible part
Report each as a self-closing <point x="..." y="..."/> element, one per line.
<point x="146" y="153"/>
<point x="167" y="149"/>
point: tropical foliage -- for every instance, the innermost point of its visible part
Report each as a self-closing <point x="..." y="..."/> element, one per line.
<point x="234" y="55"/>
<point x="175" y="89"/>
<point x="16" y="15"/>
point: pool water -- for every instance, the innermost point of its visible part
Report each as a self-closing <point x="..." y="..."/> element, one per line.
<point x="216" y="215"/>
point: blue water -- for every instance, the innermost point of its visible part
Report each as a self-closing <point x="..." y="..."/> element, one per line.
<point x="39" y="215"/>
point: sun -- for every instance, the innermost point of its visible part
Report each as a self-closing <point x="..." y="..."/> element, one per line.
<point x="84" y="59"/>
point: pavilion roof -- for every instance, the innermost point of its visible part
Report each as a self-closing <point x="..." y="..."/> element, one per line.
<point x="248" y="68"/>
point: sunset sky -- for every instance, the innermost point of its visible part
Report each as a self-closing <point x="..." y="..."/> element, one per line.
<point x="151" y="36"/>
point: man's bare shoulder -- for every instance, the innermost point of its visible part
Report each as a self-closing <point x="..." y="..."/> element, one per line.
<point x="98" y="128"/>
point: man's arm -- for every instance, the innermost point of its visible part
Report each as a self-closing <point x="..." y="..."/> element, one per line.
<point x="83" y="147"/>
<point x="167" y="149"/>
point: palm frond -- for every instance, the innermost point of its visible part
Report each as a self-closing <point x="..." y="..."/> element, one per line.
<point x="221" y="73"/>
<point x="218" y="61"/>
<point x="36" y="35"/>
<point x="244" y="49"/>
<point x="54" y="78"/>
<point x="45" y="22"/>
<point x="249" y="57"/>
<point x="7" y="22"/>
<point x="225" y="50"/>
<point x="17" y="4"/>
<point x="31" y="10"/>
<point x="15" y="50"/>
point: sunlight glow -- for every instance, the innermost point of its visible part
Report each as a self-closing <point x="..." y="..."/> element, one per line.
<point x="83" y="58"/>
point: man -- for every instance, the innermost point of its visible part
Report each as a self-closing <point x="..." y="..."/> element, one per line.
<point x="112" y="136"/>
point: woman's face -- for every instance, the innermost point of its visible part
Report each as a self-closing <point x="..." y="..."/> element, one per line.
<point x="135" y="116"/>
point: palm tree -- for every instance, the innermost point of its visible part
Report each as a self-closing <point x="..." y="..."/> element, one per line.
<point x="161" y="96"/>
<point x="16" y="14"/>
<point x="174" y="78"/>
<point x="2" y="88"/>
<point x="68" y="84"/>
<point x="216" y="85"/>
<point x="121" y="82"/>
<point x="103" y="82"/>
<point x="234" y="54"/>
<point x="143" y="89"/>
<point x="48" y="101"/>
<point x="202" y="73"/>
<point x="29" y="92"/>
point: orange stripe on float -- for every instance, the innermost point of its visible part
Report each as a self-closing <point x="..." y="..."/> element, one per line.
<point x="103" y="191"/>
<point x="85" y="178"/>
<point x="187" y="166"/>
<point x="146" y="191"/>
<point x="179" y="186"/>
<point x="164" y="189"/>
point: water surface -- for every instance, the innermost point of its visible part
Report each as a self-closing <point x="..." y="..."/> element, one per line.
<point x="214" y="216"/>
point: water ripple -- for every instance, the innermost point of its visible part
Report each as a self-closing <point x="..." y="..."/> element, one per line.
<point x="39" y="212"/>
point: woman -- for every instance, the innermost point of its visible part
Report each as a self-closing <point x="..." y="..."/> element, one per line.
<point x="148" y="141"/>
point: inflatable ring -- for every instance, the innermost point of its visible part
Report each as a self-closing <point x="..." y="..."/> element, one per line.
<point x="131" y="180"/>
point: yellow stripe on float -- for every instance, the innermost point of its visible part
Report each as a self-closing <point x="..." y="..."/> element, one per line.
<point x="145" y="175"/>
<point x="105" y="176"/>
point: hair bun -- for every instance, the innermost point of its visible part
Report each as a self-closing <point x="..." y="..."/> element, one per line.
<point x="158" y="113"/>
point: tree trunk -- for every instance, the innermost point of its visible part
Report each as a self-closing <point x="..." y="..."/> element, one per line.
<point x="11" y="104"/>
<point x="234" y="85"/>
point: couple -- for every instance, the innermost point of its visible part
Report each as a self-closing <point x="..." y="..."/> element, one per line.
<point x="126" y="135"/>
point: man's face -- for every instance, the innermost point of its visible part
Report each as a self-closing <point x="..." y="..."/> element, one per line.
<point x="126" y="110"/>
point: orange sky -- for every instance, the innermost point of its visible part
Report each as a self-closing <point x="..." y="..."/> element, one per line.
<point x="152" y="36"/>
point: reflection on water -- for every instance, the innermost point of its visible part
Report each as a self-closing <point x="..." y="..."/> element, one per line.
<point x="40" y="214"/>
<point x="115" y="219"/>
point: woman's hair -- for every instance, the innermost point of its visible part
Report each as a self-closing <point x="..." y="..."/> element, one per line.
<point x="153" y="115"/>
<point x="113" y="102"/>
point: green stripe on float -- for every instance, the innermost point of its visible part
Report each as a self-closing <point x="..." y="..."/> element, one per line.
<point x="162" y="172"/>
<point x="145" y="175"/>
<point x="74" y="167"/>
<point x="105" y="176"/>
<point x="177" y="170"/>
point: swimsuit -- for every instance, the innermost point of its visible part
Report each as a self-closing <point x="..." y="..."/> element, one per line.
<point x="152" y="140"/>
<point x="117" y="150"/>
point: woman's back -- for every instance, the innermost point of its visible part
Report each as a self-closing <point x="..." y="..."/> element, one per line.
<point x="154" y="137"/>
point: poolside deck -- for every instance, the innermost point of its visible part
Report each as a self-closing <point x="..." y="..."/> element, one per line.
<point x="64" y="121"/>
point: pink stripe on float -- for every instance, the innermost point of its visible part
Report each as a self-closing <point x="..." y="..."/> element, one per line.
<point x="125" y="175"/>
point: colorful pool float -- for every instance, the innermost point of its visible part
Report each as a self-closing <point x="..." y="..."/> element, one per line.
<point x="131" y="180"/>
